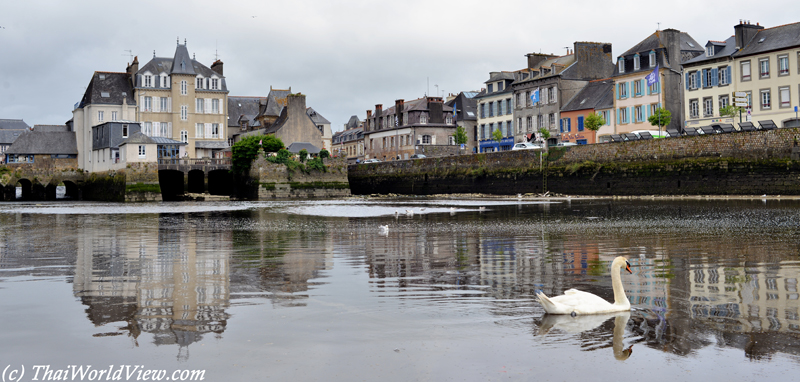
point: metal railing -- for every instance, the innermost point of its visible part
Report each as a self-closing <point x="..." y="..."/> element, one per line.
<point x="196" y="161"/>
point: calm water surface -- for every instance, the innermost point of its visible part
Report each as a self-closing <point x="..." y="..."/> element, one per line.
<point x="314" y="291"/>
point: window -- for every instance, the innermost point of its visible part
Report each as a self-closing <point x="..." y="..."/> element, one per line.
<point x="509" y="108"/>
<point x="528" y="101"/>
<point x="215" y="106"/>
<point x="500" y="108"/>
<point x="709" y="78"/>
<point x="694" y="108"/>
<point x="183" y="87"/>
<point x="766" y="99"/>
<point x="784" y="94"/>
<point x="426" y="139"/>
<point x="215" y="84"/>
<point x="783" y="65"/>
<point x="491" y="109"/>
<point x="483" y="131"/>
<point x="166" y="129"/>
<point x="518" y="95"/>
<point x="564" y="125"/>
<point x="639" y="113"/>
<point x="100" y="116"/>
<point x="529" y="123"/>
<point x="623" y="115"/>
<point x="198" y="107"/>
<point x="552" y="120"/>
<point x="448" y="119"/>
<point x="637" y="87"/>
<point x="500" y="127"/>
<point x="636" y="62"/>
<point x="198" y="82"/>
<point x="148" y="81"/>
<point x="164" y="81"/>
<point x="215" y="130"/>
<point x="124" y="131"/>
<point x="622" y="90"/>
<point x="165" y="107"/>
<point x="763" y="67"/>
<point x="710" y="50"/>
<point x="113" y="115"/>
<point x="184" y="136"/>
<point x="552" y="95"/>
<point x="724" y="101"/>
<point x="621" y="64"/>
<point x="652" y="58"/>
<point x="483" y="110"/>
<point x="708" y="107"/>
<point x="540" y="121"/>
<point x="147" y="128"/>
<point x="148" y="104"/>
<point x="198" y="130"/>
<point x="405" y="118"/>
<point x="745" y="70"/>
<point x="499" y="86"/>
<point x="691" y="80"/>
<point x="724" y="74"/>
<point x="653" y="108"/>
<point x="142" y="152"/>
<point x="184" y="112"/>
<point x="423" y="118"/>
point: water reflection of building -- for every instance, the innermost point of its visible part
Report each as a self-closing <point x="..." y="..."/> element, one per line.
<point x="163" y="276"/>
<point x="746" y="298"/>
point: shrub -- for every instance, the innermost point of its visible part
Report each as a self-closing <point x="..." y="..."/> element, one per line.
<point x="244" y="151"/>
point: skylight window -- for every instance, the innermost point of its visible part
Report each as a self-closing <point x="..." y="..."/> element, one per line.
<point x="102" y="76"/>
<point x="105" y="94"/>
<point x="762" y="40"/>
<point x="690" y="44"/>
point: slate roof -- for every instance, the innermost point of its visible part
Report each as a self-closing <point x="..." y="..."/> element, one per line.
<point x="561" y="64"/>
<point x="316" y="117"/>
<point x="182" y="62"/>
<point x="50" y="128"/>
<point x="297" y="146"/>
<point x="166" y="141"/>
<point x="653" y="42"/>
<point x="8" y="137"/>
<point x="353" y="123"/>
<point x="13" y="124"/>
<point x="246" y="107"/>
<point x="275" y="102"/>
<point x="595" y="95"/>
<point x="107" y="88"/>
<point x="44" y="142"/>
<point x="138" y="138"/>
<point x="467" y="106"/>
<point x="775" y="38"/>
<point x="497" y="76"/>
<point x="172" y="65"/>
<point x="727" y="50"/>
<point x="414" y="105"/>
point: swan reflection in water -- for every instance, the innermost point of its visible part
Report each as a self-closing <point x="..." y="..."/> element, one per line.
<point x="598" y="340"/>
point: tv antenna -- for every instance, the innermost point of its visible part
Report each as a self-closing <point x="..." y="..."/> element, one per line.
<point x="130" y="54"/>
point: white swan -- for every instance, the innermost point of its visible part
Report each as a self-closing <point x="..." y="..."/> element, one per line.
<point x="577" y="302"/>
<point x="384" y="229"/>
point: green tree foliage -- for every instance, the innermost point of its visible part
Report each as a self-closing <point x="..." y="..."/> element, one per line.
<point x="460" y="135"/>
<point x="544" y="132"/>
<point x="281" y="158"/>
<point x="316" y="164"/>
<point x="246" y="150"/>
<point x="324" y="154"/>
<point x="593" y="122"/>
<point x="730" y="111"/>
<point x="497" y="135"/>
<point x="660" y="118"/>
<point x="303" y="155"/>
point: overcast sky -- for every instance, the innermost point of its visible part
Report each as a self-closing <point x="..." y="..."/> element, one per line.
<point x="346" y="56"/>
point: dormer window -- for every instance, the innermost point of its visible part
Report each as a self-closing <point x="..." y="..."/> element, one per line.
<point x="652" y="58"/>
<point x="198" y="84"/>
<point x="500" y="86"/>
<point x="214" y="83"/>
<point x="148" y="81"/>
<point x="621" y="64"/>
<point x="636" y="62"/>
<point x="490" y="88"/>
<point x="164" y="81"/>
<point x="710" y="50"/>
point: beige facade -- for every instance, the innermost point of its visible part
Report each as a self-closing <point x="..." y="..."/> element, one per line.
<point x="635" y="102"/>
<point x="772" y="84"/>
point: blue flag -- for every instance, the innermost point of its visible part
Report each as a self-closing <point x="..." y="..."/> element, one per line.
<point x="652" y="78"/>
<point x="535" y="96"/>
<point x="455" y="113"/>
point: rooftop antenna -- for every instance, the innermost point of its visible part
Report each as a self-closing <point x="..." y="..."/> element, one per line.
<point x="658" y="25"/>
<point x="154" y="53"/>
<point x="178" y="40"/>
<point x="216" y="51"/>
<point x="130" y="53"/>
<point x="567" y="48"/>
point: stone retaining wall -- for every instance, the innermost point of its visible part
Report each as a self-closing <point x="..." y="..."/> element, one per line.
<point x="275" y="181"/>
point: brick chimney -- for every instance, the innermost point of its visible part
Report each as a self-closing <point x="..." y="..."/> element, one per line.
<point x="592" y="60"/>
<point x="745" y="32"/>
<point x="132" y="69"/>
<point x="398" y="110"/>
<point x="435" y="110"/>
<point x="217" y="67"/>
<point x="368" y="121"/>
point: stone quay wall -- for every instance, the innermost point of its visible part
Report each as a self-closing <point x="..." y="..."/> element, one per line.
<point x="744" y="163"/>
<point x="276" y="181"/>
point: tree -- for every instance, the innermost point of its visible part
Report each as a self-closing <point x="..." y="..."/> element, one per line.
<point x="593" y="122"/>
<point x="324" y="154"/>
<point x="544" y="132"/>
<point x="730" y="111"/>
<point x="661" y="117"/>
<point x="497" y="135"/>
<point x="460" y="135"/>
<point x="303" y="155"/>
<point x="244" y="151"/>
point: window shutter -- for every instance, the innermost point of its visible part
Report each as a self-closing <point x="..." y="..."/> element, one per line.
<point x="554" y="91"/>
<point x="627" y="89"/>
<point x="580" y="123"/>
<point x="705" y="78"/>
<point x="208" y="130"/>
<point x="433" y="139"/>
<point x="687" y="81"/>
<point x="630" y="114"/>
<point x="647" y="91"/>
<point x="196" y="102"/>
<point x="169" y="104"/>
<point x="561" y="126"/>
<point x="220" y="106"/>
<point x="207" y="106"/>
<point x="569" y="124"/>
<point x="658" y="87"/>
<point x="715" y="77"/>
<point x="169" y="129"/>
<point x="419" y="138"/>
<point x="699" y="78"/>
<point x="619" y="86"/>
<point x="729" y="74"/>
<point x="141" y="103"/>
<point x="156" y="104"/>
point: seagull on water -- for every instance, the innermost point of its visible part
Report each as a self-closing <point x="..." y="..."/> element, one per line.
<point x="410" y="212"/>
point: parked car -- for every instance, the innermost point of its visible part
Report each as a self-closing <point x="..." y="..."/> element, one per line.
<point x="526" y="146"/>
<point x="564" y="144"/>
<point x="418" y="156"/>
<point x="373" y="160"/>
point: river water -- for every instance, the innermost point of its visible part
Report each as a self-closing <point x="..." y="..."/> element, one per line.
<point x="316" y="291"/>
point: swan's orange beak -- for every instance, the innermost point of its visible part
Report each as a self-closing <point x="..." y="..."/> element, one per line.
<point x="628" y="267"/>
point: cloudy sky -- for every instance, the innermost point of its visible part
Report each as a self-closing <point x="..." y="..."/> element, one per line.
<point x="346" y="56"/>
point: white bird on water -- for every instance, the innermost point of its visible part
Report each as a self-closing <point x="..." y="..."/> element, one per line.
<point x="481" y="208"/>
<point x="410" y="212"/>
<point x="575" y="302"/>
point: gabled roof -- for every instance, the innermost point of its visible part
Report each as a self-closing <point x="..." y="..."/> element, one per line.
<point x="595" y="95"/>
<point x="297" y="146"/>
<point x="50" y="128"/>
<point x="560" y="64"/>
<point x="353" y="123"/>
<point x="138" y="138"/>
<point x="654" y="42"/>
<point x="13" y="124"/>
<point x="247" y="107"/>
<point x="727" y="50"/>
<point x="44" y="142"/>
<point x="181" y="62"/>
<point x="775" y="38"/>
<point x="9" y="136"/>
<point x="107" y="88"/>
<point x="316" y="117"/>
<point x="467" y="106"/>
<point x="274" y="103"/>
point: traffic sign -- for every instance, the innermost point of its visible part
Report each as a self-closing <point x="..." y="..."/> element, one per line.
<point x="740" y="99"/>
<point x="742" y="104"/>
<point x="740" y="94"/>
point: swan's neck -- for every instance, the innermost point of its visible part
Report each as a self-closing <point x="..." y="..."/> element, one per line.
<point x="619" y="290"/>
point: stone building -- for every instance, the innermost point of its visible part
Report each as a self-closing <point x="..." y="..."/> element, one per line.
<point x="323" y="125"/>
<point x="466" y="116"/>
<point x="408" y="128"/>
<point x="10" y="129"/>
<point x="242" y="112"/>
<point x="496" y="112"/>
<point x="634" y="100"/>
<point x="350" y="142"/>
<point x="292" y="125"/>
<point x="44" y="150"/>
<point x="556" y="80"/>
<point x="180" y="98"/>
<point x="596" y="97"/>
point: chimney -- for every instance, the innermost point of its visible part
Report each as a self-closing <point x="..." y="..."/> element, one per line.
<point x="398" y="110"/>
<point x="378" y="110"/>
<point x="745" y="32"/>
<point x="593" y="60"/>
<point x="435" y="110"/>
<point x="534" y="59"/>
<point x="217" y="67"/>
<point x="671" y="39"/>
<point x="133" y="68"/>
